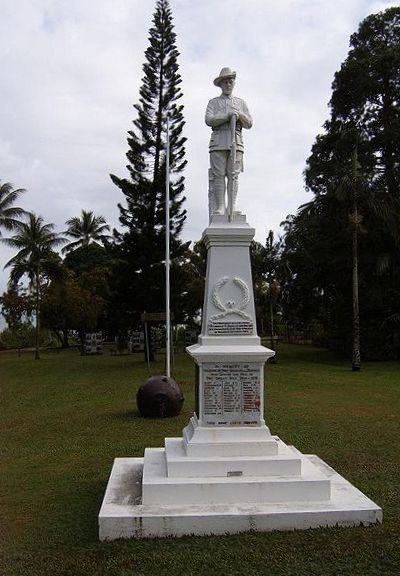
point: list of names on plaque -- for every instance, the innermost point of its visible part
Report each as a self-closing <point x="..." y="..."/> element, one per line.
<point x="231" y="394"/>
<point x="212" y="402"/>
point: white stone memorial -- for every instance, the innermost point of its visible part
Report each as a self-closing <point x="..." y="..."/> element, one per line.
<point x="227" y="473"/>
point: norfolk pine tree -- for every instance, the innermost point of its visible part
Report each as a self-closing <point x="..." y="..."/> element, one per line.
<point x="140" y="247"/>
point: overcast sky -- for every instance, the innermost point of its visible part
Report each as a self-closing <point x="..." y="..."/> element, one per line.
<point x="71" y="71"/>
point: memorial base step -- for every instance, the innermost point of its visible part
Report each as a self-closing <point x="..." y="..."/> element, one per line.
<point x="159" y="489"/>
<point x="228" y="441"/>
<point x="180" y="464"/>
<point x="123" y="515"/>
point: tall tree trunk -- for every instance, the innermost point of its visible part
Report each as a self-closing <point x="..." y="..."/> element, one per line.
<point x="356" y="363"/>
<point x="272" y="360"/>
<point x="65" y="342"/>
<point x="37" y="328"/>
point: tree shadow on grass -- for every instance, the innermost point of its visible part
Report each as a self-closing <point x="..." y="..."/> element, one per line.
<point x="126" y="415"/>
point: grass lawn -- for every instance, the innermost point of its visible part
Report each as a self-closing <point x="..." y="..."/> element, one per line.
<point x="64" y="419"/>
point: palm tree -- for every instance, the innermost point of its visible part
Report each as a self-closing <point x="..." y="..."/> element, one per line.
<point x="344" y="201"/>
<point x="86" y="229"/>
<point x="350" y="185"/>
<point x="9" y="213"/>
<point x="35" y="242"/>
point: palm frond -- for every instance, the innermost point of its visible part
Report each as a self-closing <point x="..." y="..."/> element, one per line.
<point x="85" y="229"/>
<point x="9" y="213"/>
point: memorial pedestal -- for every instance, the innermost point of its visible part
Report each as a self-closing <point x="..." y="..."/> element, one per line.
<point x="227" y="473"/>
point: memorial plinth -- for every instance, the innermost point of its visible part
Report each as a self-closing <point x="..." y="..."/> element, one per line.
<point x="227" y="473"/>
<point x="229" y="357"/>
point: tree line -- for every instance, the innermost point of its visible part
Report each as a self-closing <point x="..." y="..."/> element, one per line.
<point x="342" y="248"/>
<point x="104" y="282"/>
<point x="335" y="272"/>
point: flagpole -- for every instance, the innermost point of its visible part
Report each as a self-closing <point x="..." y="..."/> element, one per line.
<point x="167" y="261"/>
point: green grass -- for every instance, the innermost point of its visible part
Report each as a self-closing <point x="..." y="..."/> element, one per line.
<point x="64" y="419"/>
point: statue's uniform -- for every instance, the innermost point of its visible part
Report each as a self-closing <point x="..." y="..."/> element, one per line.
<point x="220" y="146"/>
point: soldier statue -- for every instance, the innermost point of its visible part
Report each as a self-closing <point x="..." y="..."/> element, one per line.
<point x="227" y="115"/>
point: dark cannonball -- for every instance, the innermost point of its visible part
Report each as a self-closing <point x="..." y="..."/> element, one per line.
<point x="159" y="397"/>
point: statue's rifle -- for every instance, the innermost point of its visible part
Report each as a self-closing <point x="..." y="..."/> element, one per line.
<point x="231" y="188"/>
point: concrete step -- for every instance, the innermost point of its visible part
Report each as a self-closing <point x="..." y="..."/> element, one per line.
<point x="234" y="441"/>
<point x="123" y="516"/>
<point x="179" y="464"/>
<point x="159" y="489"/>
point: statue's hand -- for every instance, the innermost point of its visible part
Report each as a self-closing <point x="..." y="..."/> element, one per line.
<point x="233" y="112"/>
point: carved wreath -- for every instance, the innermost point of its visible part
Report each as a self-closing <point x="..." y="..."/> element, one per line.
<point x="230" y="307"/>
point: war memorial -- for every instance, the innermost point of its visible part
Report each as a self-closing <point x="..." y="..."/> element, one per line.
<point x="227" y="473"/>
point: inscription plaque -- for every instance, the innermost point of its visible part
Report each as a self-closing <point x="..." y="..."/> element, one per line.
<point x="230" y="328"/>
<point x="231" y="394"/>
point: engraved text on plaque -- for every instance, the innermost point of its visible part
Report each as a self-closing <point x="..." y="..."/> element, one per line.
<point x="231" y="394"/>
<point x="230" y="328"/>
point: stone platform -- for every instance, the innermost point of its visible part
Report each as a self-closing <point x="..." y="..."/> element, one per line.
<point x="123" y="515"/>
